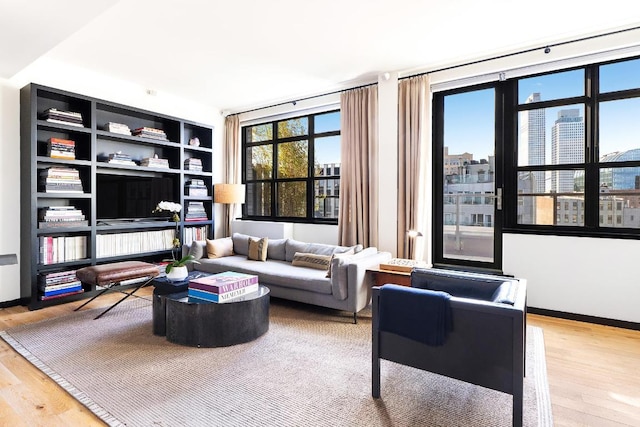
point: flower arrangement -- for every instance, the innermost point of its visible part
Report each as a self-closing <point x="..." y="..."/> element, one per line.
<point x="175" y="209"/>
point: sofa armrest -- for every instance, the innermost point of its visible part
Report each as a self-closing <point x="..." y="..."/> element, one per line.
<point x="358" y="286"/>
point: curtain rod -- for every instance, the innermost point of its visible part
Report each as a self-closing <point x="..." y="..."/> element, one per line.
<point x="452" y="67"/>
<point x="547" y="49"/>
<point x="294" y="101"/>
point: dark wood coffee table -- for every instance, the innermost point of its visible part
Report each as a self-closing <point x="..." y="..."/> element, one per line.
<point x="164" y="288"/>
<point x="198" y="323"/>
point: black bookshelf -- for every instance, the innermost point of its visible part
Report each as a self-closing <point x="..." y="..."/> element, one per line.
<point x="84" y="121"/>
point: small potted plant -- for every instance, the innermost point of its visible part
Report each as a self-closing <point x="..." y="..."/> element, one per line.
<point x="177" y="268"/>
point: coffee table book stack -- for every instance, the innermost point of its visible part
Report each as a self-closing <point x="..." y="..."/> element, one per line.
<point x="223" y="287"/>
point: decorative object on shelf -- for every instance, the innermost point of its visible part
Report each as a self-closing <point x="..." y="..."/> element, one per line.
<point x="195" y="141"/>
<point x="193" y="164"/>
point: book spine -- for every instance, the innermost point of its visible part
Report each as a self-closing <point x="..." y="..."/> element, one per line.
<point x="208" y="296"/>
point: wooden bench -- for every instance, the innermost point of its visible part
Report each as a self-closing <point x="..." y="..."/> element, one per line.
<point x="109" y="276"/>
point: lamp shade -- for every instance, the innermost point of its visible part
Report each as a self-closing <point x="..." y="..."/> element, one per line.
<point x="228" y="193"/>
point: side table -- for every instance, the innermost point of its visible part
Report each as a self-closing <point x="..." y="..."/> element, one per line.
<point x="381" y="277"/>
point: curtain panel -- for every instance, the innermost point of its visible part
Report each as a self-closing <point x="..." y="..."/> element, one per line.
<point x="232" y="165"/>
<point x="358" y="217"/>
<point x="414" y="139"/>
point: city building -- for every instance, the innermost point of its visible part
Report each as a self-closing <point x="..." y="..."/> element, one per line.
<point x="532" y="140"/>
<point x="567" y="146"/>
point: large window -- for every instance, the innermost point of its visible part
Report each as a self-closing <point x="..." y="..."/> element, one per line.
<point x="577" y="156"/>
<point x="292" y="169"/>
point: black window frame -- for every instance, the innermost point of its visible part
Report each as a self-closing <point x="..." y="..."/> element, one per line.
<point x="274" y="180"/>
<point x="591" y="100"/>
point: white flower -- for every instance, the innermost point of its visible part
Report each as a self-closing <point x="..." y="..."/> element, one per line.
<point x="168" y="206"/>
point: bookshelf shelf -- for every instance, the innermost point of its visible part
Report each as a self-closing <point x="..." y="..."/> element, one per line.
<point x="80" y="130"/>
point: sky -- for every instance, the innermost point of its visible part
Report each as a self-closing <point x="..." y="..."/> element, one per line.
<point x="469" y="117"/>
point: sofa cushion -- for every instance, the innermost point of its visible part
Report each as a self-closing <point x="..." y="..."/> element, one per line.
<point x="292" y="246"/>
<point x="241" y="244"/>
<point x="258" y="249"/>
<point x="303" y="259"/>
<point x="219" y="247"/>
<point x="276" y="249"/>
<point x="198" y="249"/>
<point x="274" y="272"/>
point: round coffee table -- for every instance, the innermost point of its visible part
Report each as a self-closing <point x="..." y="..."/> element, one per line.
<point x="198" y="323"/>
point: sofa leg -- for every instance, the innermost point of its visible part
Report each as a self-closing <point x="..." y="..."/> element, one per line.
<point x="355" y="318"/>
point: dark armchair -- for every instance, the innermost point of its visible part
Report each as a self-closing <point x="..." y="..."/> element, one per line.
<point x="480" y="338"/>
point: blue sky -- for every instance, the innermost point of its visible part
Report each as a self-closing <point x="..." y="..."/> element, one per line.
<point x="469" y="117"/>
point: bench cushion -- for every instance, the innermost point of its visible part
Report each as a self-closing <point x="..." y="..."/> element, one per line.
<point x="106" y="274"/>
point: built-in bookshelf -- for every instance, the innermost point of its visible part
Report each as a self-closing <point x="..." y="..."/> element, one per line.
<point x="92" y="173"/>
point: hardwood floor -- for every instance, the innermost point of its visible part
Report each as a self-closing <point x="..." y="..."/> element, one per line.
<point x="593" y="370"/>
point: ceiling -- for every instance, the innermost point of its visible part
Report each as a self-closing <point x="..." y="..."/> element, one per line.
<point x="240" y="54"/>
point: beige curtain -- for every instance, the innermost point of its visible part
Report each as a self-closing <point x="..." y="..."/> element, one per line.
<point x="414" y="139"/>
<point x="232" y="164"/>
<point x="358" y="220"/>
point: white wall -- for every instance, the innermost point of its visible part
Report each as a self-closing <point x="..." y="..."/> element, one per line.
<point x="9" y="189"/>
<point x="79" y="81"/>
<point x="594" y="277"/>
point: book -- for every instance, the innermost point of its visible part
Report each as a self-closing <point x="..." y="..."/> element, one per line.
<point x="401" y="264"/>
<point x="63" y="290"/>
<point x="221" y="298"/>
<point x="222" y="283"/>
<point x="65" y="294"/>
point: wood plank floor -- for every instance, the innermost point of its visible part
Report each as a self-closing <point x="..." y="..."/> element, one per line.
<point x="593" y="370"/>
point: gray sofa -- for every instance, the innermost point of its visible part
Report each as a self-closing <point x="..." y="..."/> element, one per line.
<point x="346" y="289"/>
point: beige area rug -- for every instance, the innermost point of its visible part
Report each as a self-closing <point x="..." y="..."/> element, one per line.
<point x="312" y="368"/>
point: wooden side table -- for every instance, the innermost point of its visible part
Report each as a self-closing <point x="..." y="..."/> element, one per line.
<point x="381" y="277"/>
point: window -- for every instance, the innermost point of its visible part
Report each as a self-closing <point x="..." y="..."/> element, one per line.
<point x="578" y="150"/>
<point x="291" y="169"/>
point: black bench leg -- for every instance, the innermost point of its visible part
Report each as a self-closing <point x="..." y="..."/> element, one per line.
<point x="142" y="285"/>
<point x="94" y="297"/>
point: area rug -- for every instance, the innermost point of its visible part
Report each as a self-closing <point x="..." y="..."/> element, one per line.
<point x="312" y="368"/>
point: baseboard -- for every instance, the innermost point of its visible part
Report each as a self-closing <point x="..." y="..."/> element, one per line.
<point x="585" y="318"/>
<point x="13" y="303"/>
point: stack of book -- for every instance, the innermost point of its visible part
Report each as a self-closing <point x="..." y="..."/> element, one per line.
<point x="53" y="115"/>
<point x="155" y="162"/>
<point x="120" y="158"/>
<point x="62" y="249"/>
<point x="58" y="148"/>
<point x="117" y="128"/>
<point x="60" y="284"/>
<point x="60" y="180"/>
<point x="61" y="216"/>
<point x="223" y="287"/>
<point x="148" y="132"/>
<point x="401" y="264"/>
<point x="196" y="187"/>
<point x="195" y="212"/>
<point x="193" y="164"/>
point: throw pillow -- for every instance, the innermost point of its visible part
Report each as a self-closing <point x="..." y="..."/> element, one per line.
<point x="197" y="249"/>
<point x="241" y="243"/>
<point x="219" y="248"/>
<point x="258" y="249"/>
<point x="320" y="262"/>
<point x="276" y="249"/>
